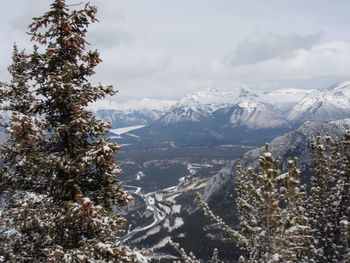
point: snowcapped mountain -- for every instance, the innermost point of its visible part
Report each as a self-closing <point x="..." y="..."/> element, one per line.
<point x="235" y="108"/>
<point x="214" y="99"/>
<point x="253" y="115"/>
<point x="226" y="109"/>
<point x="186" y="110"/>
<point x="201" y="105"/>
<point x="285" y="99"/>
<point x="130" y="113"/>
<point x="343" y="87"/>
<point x="328" y="104"/>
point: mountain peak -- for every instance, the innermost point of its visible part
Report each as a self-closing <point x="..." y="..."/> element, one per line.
<point x="300" y="105"/>
<point x="256" y="115"/>
<point x="328" y="104"/>
<point x="343" y="87"/>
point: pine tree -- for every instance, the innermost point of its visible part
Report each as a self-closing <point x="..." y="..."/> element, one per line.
<point x="190" y="257"/>
<point x="26" y="130"/>
<point x="21" y="181"/>
<point x="187" y="257"/>
<point x="65" y="177"/>
<point x="271" y="208"/>
<point x="329" y="199"/>
<point x="344" y="200"/>
<point x="296" y="235"/>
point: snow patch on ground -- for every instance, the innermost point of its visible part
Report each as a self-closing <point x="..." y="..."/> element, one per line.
<point x="178" y="223"/>
<point x="139" y="175"/>
<point x="176" y="209"/>
<point x="165" y="208"/>
<point x="152" y="231"/>
<point x="162" y="243"/>
<point x="158" y="197"/>
<point x="171" y="199"/>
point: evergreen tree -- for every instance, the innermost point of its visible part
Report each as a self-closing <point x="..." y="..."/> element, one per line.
<point x="271" y="209"/>
<point x="26" y="130"/>
<point x="187" y="257"/>
<point x="329" y="199"/>
<point x="21" y="176"/>
<point x="344" y="200"/>
<point x="296" y="235"/>
<point x="58" y="159"/>
<point x="190" y="257"/>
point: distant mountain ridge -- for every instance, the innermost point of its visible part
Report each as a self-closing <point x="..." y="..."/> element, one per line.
<point x="203" y="104"/>
<point x="293" y="144"/>
<point x="131" y="113"/>
<point x="253" y="115"/>
<point x="328" y="104"/>
<point x="238" y="116"/>
<point x="277" y="108"/>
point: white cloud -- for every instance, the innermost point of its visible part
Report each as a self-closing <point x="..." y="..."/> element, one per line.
<point x="331" y="58"/>
<point x="269" y="46"/>
<point x="164" y="50"/>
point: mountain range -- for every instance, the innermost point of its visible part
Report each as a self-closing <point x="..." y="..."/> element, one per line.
<point x="236" y="116"/>
<point x="236" y="108"/>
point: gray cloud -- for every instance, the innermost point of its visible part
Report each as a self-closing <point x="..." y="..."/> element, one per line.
<point x="165" y="49"/>
<point x="109" y="37"/>
<point x="23" y="14"/>
<point x="269" y="46"/>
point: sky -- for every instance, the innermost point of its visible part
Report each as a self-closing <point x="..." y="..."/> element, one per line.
<point x="164" y="49"/>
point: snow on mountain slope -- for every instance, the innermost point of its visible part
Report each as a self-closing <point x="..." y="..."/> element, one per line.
<point x="285" y="99"/>
<point x="285" y="95"/>
<point x="343" y="123"/>
<point x="133" y="112"/>
<point x="343" y="87"/>
<point x="247" y="109"/>
<point x="217" y="99"/>
<point x="133" y="105"/>
<point x="254" y="115"/>
<point x="200" y="105"/>
<point x="296" y="143"/>
<point x="119" y="118"/>
<point x="187" y="110"/>
<point x="324" y="105"/>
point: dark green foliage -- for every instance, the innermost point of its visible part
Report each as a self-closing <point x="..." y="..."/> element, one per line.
<point x="58" y="168"/>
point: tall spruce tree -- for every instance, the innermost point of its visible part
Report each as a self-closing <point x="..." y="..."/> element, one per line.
<point x="22" y="179"/>
<point x="62" y="164"/>
<point x="296" y="237"/>
<point x="272" y="213"/>
<point x="330" y="198"/>
<point x="26" y="130"/>
<point x="344" y="200"/>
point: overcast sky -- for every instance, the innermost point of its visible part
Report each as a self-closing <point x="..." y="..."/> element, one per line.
<point x="166" y="48"/>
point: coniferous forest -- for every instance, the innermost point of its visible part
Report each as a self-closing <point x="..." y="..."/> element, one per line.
<point x="64" y="198"/>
